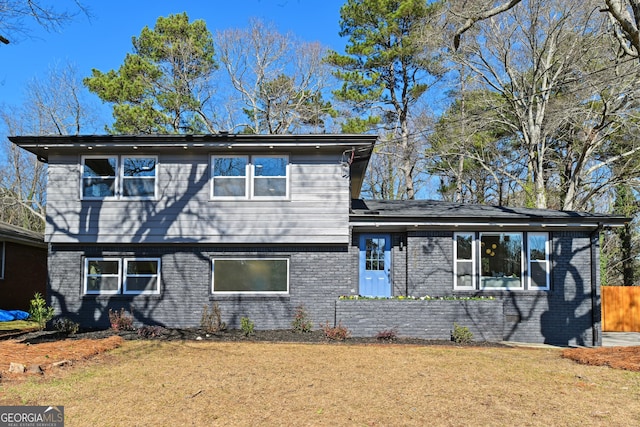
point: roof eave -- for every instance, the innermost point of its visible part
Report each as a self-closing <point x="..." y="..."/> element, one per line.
<point x="13" y="234"/>
<point x="42" y="145"/>
<point x="374" y="221"/>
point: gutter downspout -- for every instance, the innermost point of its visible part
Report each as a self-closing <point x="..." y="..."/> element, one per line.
<point x="596" y="313"/>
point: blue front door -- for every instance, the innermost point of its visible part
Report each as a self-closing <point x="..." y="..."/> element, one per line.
<point x="375" y="265"/>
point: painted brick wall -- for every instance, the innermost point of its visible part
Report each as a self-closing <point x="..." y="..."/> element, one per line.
<point x="399" y="265"/>
<point x="317" y="277"/>
<point x="422" y="319"/>
<point x="563" y="315"/>
<point x="430" y="257"/>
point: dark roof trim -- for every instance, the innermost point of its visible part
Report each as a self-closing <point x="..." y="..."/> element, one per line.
<point x="413" y="214"/>
<point x="41" y="145"/>
<point x="11" y="233"/>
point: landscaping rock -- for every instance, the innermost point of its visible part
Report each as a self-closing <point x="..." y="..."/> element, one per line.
<point x="35" y="369"/>
<point x="17" y="367"/>
<point x="62" y="363"/>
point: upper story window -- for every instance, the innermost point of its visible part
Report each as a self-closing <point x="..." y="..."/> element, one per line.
<point x="269" y="176"/>
<point x="230" y="176"/>
<point x="501" y="261"/>
<point x="250" y="177"/>
<point x="99" y="177"/>
<point x="119" y="177"/>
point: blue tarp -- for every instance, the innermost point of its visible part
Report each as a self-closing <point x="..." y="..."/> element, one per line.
<point x="9" y="315"/>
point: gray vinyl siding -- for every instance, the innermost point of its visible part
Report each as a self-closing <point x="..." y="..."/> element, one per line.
<point x="316" y="211"/>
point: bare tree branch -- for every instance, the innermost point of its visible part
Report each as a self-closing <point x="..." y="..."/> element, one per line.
<point x="14" y="12"/>
<point x="486" y="14"/>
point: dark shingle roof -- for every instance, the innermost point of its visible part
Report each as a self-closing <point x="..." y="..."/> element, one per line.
<point x="447" y="212"/>
<point x="11" y="233"/>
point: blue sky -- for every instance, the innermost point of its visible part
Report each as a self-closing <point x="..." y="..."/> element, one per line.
<point x="102" y="40"/>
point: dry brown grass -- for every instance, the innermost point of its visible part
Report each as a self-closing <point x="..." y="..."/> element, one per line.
<point x="210" y="384"/>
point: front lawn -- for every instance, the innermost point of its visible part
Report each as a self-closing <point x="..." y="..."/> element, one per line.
<point x="254" y="383"/>
<point x="17" y="326"/>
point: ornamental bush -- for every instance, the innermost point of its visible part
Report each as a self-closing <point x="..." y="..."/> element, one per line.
<point x="461" y="334"/>
<point x="39" y="311"/>
<point x="211" y="320"/>
<point x="338" y="332"/>
<point x="247" y="326"/>
<point x="121" y="320"/>
<point x="66" y="326"/>
<point x="301" y="322"/>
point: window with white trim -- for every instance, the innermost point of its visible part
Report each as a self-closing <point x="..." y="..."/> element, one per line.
<point x="138" y="177"/>
<point x="230" y="176"/>
<point x="250" y="275"/>
<point x="102" y="276"/>
<point x="112" y="276"/>
<point x="118" y="177"/>
<point x="501" y="261"/>
<point x="269" y="176"/>
<point x="141" y="276"/>
<point x="249" y="177"/>
<point x="99" y="177"/>
<point x="464" y="251"/>
<point x="538" y="257"/>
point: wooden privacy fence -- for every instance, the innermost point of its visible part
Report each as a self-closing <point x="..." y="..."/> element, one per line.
<point x="620" y="308"/>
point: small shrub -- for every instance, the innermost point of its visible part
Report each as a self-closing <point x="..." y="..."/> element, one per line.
<point x="211" y="320"/>
<point x="247" y="326"/>
<point x="150" y="331"/>
<point x="338" y="332"/>
<point x="39" y="312"/>
<point x="461" y="334"/>
<point x="301" y="322"/>
<point x="121" y="320"/>
<point x="387" y="335"/>
<point x="66" y="326"/>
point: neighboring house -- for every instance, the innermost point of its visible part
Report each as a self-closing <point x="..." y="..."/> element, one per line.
<point x="165" y="225"/>
<point x="23" y="266"/>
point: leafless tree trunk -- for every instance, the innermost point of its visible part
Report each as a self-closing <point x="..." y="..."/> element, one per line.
<point x="624" y="16"/>
<point x="563" y="99"/>
<point x="279" y="79"/>
<point x="55" y="106"/>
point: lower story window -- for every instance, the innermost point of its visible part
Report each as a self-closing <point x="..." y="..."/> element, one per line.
<point x="250" y="275"/>
<point x="122" y="276"/>
<point x="141" y="276"/>
<point x="501" y="260"/>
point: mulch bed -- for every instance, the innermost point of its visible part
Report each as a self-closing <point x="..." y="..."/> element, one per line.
<point x="195" y="334"/>
<point x="627" y="358"/>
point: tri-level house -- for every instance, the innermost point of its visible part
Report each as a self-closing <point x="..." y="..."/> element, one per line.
<point x="166" y="225"/>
